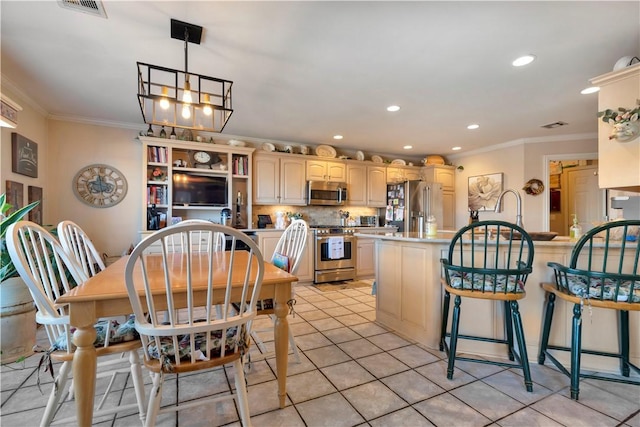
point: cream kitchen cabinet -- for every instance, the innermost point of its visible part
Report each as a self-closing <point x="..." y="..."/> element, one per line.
<point x="397" y="174"/>
<point x="445" y="175"/>
<point x="267" y="242"/>
<point x="322" y="170"/>
<point x="618" y="161"/>
<point x="279" y="179"/>
<point x="365" y="261"/>
<point x="367" y="185"/>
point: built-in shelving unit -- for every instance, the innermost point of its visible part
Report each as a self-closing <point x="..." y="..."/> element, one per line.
<point x="225" y="172"/>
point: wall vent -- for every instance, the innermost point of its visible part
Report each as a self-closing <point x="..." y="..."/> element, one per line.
<point x="94" y="8"/>
<point x="554" y="125"/>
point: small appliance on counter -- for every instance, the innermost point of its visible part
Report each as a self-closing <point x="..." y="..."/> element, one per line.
<point x="368" y="221"/>
<point x="630" y="206"/>
<point x="264" y="220"/>
<point x="225" y="217"/>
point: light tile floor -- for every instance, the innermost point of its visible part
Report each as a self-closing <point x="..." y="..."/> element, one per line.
<point x="356" y="373"/>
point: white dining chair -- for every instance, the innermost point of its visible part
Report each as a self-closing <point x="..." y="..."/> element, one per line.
<point x="197" y="339"/>
<point x="287" y="255"/>
<point x="77" y="243"/>
<point x="200" y="239"/>
<point x="49" y="271"/>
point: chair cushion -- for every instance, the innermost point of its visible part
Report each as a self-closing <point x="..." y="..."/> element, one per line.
<point x="281" y="261"/>
<point x="117" y="333"/>
<point x="486" y="282"/>
<point x="586" y="287"/>
<point x="184" y="351"/>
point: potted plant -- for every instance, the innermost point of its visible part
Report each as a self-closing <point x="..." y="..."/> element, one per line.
<point x="17" y="311"/>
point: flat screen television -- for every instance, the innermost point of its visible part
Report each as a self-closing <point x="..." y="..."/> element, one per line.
<point x="194" y="189"/>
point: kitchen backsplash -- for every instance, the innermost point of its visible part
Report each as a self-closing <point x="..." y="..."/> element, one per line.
<point x="314" y="215"/>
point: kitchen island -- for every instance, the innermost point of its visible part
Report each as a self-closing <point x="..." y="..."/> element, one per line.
<point x="409" y="301"/>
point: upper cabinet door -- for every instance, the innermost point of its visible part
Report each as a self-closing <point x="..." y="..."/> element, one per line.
<point x="293" y="184"/>
<point x="321" y="170"/>
<point x="357" y="181"/>
<point x="266" y="182"/>
<point x="376" y="186"/>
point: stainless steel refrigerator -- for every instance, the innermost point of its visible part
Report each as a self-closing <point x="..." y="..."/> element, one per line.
<point x="413" y="201"/>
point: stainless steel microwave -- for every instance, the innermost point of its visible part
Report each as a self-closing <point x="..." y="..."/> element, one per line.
<point x="324" y="193"/>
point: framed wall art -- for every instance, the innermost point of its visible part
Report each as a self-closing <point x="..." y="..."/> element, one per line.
<point x="15" y="196"/>
<point x="24" y="156"/>
<point x="35" y="194"/>
<point x="484" y="191"/>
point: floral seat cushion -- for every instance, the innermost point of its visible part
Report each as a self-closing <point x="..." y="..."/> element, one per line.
<point x="166" y="347"/>
<point x="581" y="286"/>
<point x="117" y="333"/>
<point x="486" y="282"/>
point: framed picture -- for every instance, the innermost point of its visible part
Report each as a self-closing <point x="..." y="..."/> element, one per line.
<point x="15" y="196"/>
<point x="24" y="156"/>
<point x="484" y="191"/>
<point x="34" y="194"/>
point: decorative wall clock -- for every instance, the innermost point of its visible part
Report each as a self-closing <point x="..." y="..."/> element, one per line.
<point x="100" y="186"/>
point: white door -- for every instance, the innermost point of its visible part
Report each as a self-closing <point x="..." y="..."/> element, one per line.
<point x="584" y="197"/>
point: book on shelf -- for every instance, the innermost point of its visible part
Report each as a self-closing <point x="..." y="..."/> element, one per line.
<point x="157" y="154"/>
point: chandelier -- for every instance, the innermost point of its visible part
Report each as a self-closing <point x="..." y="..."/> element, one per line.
<point x="182" y="99"/>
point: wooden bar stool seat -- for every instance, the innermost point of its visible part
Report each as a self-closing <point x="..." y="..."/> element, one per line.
<point x="602" y="274"/>
<point x="488" y="260"/>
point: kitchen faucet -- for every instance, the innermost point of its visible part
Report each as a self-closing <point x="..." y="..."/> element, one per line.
<point x="518" y="206"/>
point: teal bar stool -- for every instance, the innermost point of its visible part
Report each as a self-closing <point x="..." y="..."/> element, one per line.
<point x="602" y="274"/>
<point x="489" y="260"/>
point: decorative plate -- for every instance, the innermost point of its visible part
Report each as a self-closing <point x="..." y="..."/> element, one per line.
<point x="237" y="143"/>
<point x="325" y="151"/>
<point x="377" y="159"/>
<point x="267" y="146"/>
<point x="398" y="162"/>
<point x="359" y="155"/>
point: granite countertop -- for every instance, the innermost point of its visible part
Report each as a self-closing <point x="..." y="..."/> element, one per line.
<point x="357" y="229"/>
<point x="444" y="237"/>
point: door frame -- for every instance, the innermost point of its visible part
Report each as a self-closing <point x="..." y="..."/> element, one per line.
<point x="545" y="173"/>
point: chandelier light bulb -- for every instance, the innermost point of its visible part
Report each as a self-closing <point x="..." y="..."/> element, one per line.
<point x="186" y="111"/>
<point x="164" y="102"/>
<point x="207" y="110"/>
<point x="186" y="94"/>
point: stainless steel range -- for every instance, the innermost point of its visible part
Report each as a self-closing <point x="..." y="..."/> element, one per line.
<point x="334" y="253"/>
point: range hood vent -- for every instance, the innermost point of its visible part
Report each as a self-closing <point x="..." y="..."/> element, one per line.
<point x="94" y="8"/>
<point x="555" y="125"/>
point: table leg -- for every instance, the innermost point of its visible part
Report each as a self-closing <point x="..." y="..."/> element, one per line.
<point x="84" y="369"/>
<point x="281" y="332"/>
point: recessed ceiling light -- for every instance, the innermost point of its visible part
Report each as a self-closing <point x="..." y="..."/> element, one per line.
<point x="393" y="108"/>
<point x="408" y="147"/>
<point x="456" y="148"/>
<point x="523" y="60"/>
<point x="592" y="89"/>
<point x="337" y="137"/>
<point x="473" y="126"/>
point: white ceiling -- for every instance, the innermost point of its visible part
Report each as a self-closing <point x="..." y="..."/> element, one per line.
<point x="305" y="71"/>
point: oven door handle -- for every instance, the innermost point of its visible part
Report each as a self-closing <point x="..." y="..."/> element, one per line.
<point x="345" y="238"/>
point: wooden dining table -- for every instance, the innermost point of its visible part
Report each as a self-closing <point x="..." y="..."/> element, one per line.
<point x="105" y="295"/>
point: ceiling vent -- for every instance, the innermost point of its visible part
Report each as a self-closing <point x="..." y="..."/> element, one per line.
<point x="554" y="125"/>
<point x="94" y="8"/>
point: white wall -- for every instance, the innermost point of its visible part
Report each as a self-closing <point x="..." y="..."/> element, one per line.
<point x="77" y="145"/>
<point x="519" y="162"/>
<point x="32" y="124"/>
